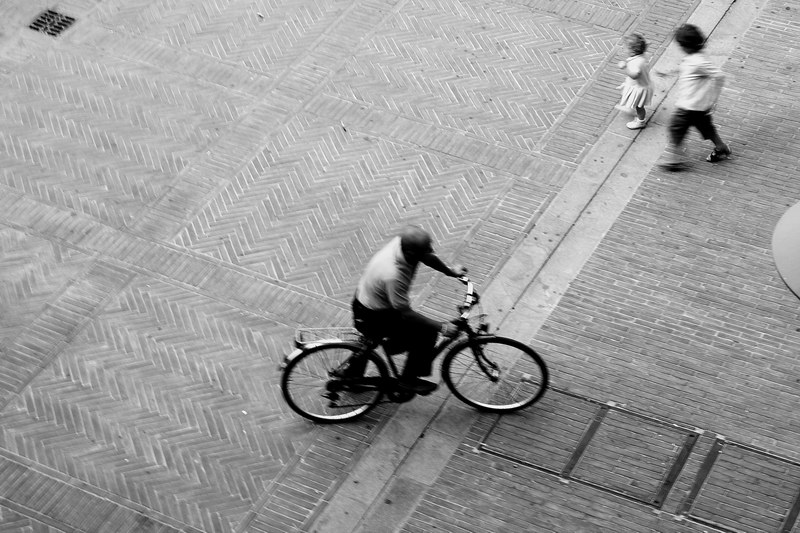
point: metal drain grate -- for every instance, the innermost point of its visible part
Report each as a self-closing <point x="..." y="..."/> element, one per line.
<point x="51" y="22"/>
<point x="600" y="445"/>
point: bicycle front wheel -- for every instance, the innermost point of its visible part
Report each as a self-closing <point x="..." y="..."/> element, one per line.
<point x="495" y="374"/>
<point x="319" y="383"/>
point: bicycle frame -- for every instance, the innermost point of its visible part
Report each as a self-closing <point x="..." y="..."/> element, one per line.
<point x="442" y="345"/>
<point x="465" y="334"/>
<point x="342" y="368"/>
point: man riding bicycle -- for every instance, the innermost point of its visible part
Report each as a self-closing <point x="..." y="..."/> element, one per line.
<point x="381" y="306"/>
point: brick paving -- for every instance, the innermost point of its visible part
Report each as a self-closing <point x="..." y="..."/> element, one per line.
<point x="184" y="183"/>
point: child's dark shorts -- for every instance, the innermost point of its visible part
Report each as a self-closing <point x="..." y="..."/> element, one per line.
<point x="683" y="119"/>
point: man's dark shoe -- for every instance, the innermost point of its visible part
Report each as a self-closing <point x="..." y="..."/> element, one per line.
<point x="352" y="368"/>
<point x="420" y="386"/>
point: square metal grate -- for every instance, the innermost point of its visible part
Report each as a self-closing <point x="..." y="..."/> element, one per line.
<point x="739" y="484"/>
<point x="51" y="22"/>
<point x="600" y="445"/>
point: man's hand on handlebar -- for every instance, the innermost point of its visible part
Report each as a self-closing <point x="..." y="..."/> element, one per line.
<point x="449" y="330"/>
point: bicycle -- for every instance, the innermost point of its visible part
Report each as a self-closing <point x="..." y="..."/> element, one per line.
<point x="488" y="372"/>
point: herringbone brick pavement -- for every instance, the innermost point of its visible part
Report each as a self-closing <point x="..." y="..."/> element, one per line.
<point x="185" y="182"/>
<point x="485" y="69"/>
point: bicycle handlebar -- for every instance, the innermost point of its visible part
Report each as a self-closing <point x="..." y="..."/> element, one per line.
<point x="471" y="297"/>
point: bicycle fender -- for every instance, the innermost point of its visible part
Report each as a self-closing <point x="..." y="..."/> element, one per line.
<point x="306" y="347"/>
<point x="288" y="358"/>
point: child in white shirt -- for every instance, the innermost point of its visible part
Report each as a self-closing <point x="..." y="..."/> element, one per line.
<point x="699" y="86"/>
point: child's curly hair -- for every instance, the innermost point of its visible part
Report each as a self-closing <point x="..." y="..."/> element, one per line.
<point x="690" y="38"/>
<point x="636" y="43"/>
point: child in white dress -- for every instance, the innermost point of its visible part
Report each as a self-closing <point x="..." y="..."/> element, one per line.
<point x="637" y="90"/>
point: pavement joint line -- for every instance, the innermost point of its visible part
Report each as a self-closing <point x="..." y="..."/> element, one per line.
<point x="430" y="436"/>
<point x="367" y="109"/>
<point x="122" y="238"/>
<point x="430" y="288"/>
<point x="65" y="340"/>
<point x="276" y="483"/>
<point x="301" y="105"/>
<point x="273" y="486"/>
<point x="608" y="61"/>
<point x="80" y="485"/>
<point x="33" y="514"/>
<point x="613" y="187"/>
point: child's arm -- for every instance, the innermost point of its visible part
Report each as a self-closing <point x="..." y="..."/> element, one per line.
<point x="632" y="66"/>
<point x="714" y="72"/>
<point x="717" y="79"/>
<point x="666" y="73"/>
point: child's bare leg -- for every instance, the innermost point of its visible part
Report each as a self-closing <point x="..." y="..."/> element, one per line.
<point x="637" y="123"/>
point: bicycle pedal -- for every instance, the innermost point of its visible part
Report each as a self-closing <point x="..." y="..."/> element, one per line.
<point x="401" y="396"/>
<point x="332" y="396"/>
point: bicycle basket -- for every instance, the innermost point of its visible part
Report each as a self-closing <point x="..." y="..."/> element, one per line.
<point x="303" y="336"/>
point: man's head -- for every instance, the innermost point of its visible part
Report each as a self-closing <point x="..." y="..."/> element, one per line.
<point x="690" y="38"/>
<point x="415" y="243"/>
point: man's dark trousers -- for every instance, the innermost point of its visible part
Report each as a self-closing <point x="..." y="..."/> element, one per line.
<point x="407" y="331"/>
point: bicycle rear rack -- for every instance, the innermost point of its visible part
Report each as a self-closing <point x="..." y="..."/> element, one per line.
<point x="306" y="336"/>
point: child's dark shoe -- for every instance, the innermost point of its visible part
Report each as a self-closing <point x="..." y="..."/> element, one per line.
<point x="674" y="167"/>
<point x="718" y="155"/>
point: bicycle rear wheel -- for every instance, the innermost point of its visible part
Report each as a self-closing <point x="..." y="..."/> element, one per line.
<point x="316" y="386"/>
<point x="495" y="374"/>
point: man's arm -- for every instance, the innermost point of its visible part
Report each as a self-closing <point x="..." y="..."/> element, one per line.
<point x="398" y="291"/>
<point x="432" y="260"/>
